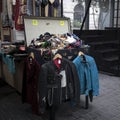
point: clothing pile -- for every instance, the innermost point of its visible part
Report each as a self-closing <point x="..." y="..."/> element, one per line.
<point x="56" y="42"/>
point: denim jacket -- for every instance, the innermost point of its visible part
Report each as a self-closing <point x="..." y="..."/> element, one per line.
<point x="88" y="74"/>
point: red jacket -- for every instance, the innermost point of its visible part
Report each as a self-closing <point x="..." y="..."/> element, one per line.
<point x="30" y="80"/>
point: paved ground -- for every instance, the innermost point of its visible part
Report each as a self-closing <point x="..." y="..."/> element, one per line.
<point x="106" y="106"/>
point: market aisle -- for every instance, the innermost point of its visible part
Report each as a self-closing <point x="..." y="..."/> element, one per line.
<point x="11" y="107"/>
<point x="106" y="106"/>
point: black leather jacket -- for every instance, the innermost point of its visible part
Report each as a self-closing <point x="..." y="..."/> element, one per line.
<point x="49" y="85"/>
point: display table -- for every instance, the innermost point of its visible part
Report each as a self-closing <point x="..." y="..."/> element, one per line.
<point x="14" y="80"/>
<point x="11" y="76"/>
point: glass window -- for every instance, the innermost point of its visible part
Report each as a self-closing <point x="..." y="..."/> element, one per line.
<point x="94" y="12"/>
<point x="78" y="15"/>
<point x="99" y="13"/>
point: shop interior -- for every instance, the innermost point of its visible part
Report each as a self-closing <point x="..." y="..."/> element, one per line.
<point x="52" y="53"/>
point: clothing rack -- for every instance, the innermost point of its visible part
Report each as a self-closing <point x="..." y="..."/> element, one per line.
<point x="71" y="54"/>
<point x="67" y="53"/>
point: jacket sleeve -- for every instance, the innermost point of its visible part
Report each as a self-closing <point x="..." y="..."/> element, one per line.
<point x="94" y="75"/>
<point x="42" y="88"/>
<point x="94" y="78"/>
<point x="76" y="83"/>
<point x="73" y="79"/>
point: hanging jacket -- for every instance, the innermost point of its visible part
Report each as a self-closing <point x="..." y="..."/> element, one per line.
<point x="48" y="85"/>
<point x="94" y="75"/>
<point x="50" y="77"/>
<point x="20" y="11"/>
<point x="88" y="75"/>
<point x="73" y="79"/>
<point x="30" y="81"/>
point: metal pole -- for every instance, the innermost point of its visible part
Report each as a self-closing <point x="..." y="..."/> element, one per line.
<point x="86" y="13"/>
<point x="119" y="56"/>
<point x="61" y="8"/>
<point x="117" y="14"/>
<point x="112" y="13"/>
<point x="117" y="25"/>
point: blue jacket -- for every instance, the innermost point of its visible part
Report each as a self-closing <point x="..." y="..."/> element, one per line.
<point x="88" y="74"/>
<point x="9" y="61"/>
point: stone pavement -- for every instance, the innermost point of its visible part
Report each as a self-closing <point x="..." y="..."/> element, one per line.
<point x="106" y="106"/>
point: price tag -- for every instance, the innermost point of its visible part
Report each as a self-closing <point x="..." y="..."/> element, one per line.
<point x="62" y="23"/>
<point x="35" y="22"/>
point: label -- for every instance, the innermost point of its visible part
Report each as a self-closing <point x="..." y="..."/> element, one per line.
<point x="59" y="61"/>
<point x="35" y="22"/>
<point x="62" y="23"/>
<point x="63" y="80"/>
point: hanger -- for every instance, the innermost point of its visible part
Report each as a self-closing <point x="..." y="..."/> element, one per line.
<point x="80" y="53"/>
<point x="57" y="56"/>
<point x="83" y="56"/>
<point x="32" y="55"/>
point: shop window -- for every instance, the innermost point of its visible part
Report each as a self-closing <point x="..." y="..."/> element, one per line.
<point x="78" y="15"/>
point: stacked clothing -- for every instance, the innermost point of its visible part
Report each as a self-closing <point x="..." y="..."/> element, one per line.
<point x="55" y="42"/>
